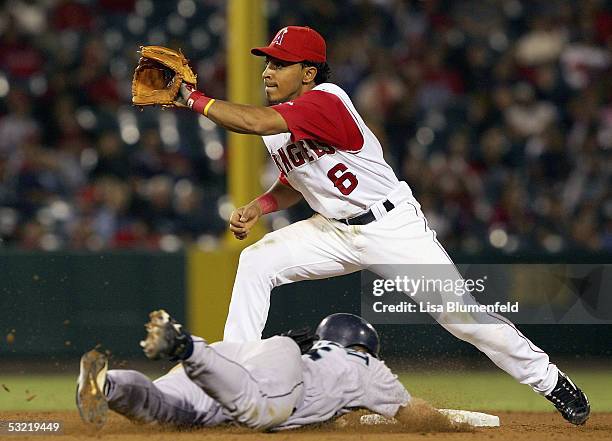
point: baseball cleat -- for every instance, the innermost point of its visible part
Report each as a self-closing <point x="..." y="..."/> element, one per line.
<point x="165" y="337"/>
<point x="570" y="400"/>
<point x="90" y="398"/>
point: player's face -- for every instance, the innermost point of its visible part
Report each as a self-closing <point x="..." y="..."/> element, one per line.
<point x="283" y="80"/>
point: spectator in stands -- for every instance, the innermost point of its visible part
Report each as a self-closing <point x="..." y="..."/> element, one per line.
<point x="499" y="116"/>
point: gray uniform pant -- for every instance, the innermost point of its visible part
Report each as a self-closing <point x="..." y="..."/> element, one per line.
<point x="256" y="384"/>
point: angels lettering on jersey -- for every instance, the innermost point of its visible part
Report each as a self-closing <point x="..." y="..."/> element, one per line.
<point x="298" y="154"/>
<point x="329" y="155"/>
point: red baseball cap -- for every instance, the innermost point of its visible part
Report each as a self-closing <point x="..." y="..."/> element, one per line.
<point x="293" y="44"/>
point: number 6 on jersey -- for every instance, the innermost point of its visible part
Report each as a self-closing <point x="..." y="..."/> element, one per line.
<point x="343" y="180"/>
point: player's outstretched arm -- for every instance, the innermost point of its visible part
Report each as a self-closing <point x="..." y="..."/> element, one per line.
<point x="279" y="197"/>
<point x="240" y="118"/>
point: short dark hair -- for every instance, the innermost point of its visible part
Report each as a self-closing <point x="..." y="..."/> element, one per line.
<point x="323" y="71"/>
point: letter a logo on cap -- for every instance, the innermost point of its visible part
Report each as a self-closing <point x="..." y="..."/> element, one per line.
<point x="304" y="44"/>
<point x="279" y="36"/>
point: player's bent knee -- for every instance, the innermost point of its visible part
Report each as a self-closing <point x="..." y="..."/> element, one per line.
<point x="251" y="262"/>
<point x="257" y="260"/>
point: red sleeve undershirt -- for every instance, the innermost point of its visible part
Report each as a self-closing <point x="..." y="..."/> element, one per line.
<point x="283" y="179"/>
<point x="323" y="117"/>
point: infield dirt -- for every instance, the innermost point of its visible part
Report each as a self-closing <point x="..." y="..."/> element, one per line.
<point x="514" y="426"/>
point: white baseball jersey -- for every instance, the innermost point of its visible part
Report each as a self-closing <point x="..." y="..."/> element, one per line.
<point x="331" y="157"/>
<point x="338" y="380"/>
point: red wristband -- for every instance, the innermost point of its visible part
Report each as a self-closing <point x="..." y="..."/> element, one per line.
<point x="197" y="101"/>
<point x="268" y="203"/>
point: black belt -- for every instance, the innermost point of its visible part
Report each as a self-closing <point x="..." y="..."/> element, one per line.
<point x="367" y="217"/>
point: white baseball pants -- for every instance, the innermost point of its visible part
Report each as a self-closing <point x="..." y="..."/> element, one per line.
<point x="319" y="248"/>
<point x="257" y="384"/>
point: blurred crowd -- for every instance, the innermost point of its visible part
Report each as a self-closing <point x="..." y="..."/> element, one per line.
<point x="498" y="114"/>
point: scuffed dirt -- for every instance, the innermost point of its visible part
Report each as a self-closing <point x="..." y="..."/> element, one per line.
<point x="541" y="426"/>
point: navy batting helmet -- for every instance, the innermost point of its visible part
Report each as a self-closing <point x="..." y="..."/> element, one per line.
<point x="348" y="330"/>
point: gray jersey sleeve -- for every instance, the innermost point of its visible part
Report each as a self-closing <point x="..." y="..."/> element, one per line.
<point x="338" y="380"/>
<point x="383" y="392"/>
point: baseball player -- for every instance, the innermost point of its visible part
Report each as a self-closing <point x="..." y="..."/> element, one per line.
<point x="366" y="217"/>
<point x="265" y="384"/>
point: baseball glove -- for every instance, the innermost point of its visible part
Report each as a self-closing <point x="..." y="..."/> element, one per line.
<point x="159" y="75"/>
<point x="303" y="337"/>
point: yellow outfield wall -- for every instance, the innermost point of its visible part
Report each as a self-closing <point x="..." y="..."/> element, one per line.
<point x="210" y="276"/>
